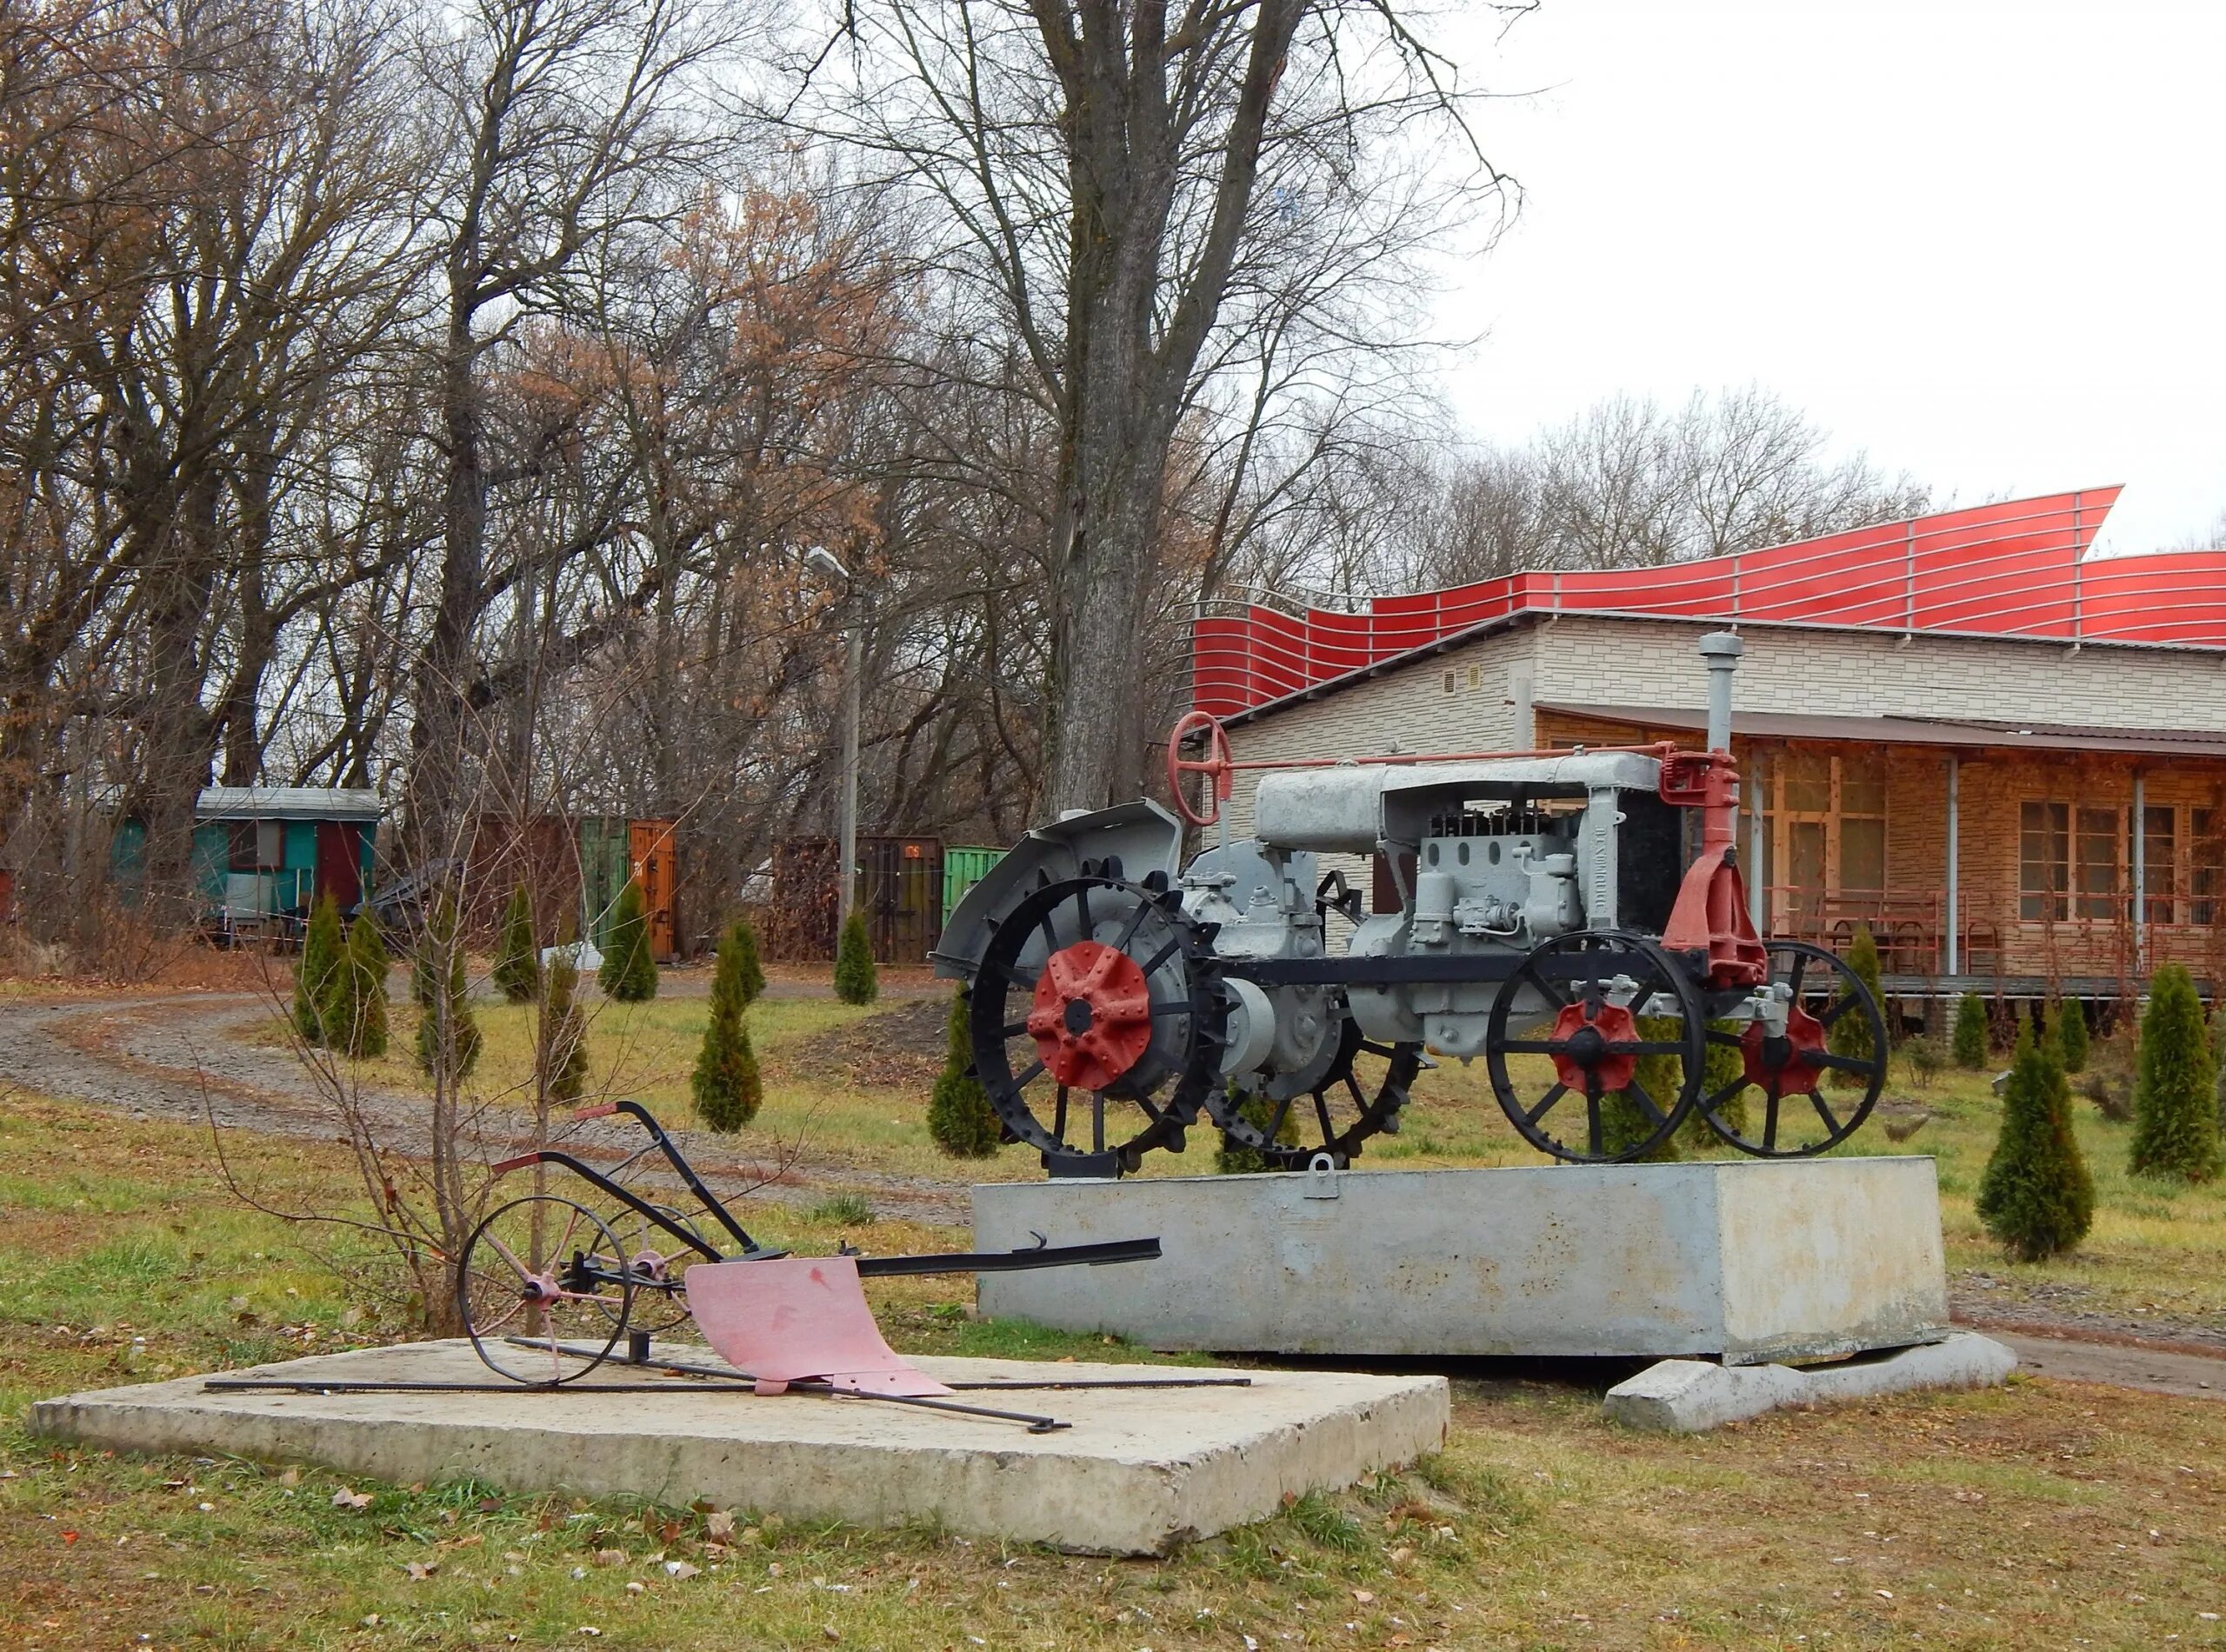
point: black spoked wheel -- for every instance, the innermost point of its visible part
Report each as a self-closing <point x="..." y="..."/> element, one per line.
<point x="1596" y="1047"/>
<point x="1776" y="1095"/>
<point x="1096" y="1020"/>
<point x="543" y="1290"/>
<point x="1356" y="1094"/>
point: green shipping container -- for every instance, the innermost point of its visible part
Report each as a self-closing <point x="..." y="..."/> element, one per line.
<point x="604" y="868"/>
<point x="961" y="870"/>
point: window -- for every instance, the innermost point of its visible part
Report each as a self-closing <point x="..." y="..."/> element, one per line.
<point x="2097" y="850"/>
<point x="2160" y="866"/>
<point x="2206" y="860"/>
<point x="256" y="846"/>
<point x="2043" y="860"/>
<point x="1823" y="824"/>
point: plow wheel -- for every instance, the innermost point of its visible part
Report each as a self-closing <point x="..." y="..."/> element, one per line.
<point x="1781" y="1086"/>
<point x="659" y="1264"/>
<point x="1333" y="1110"/>
<point x="543" y="1270"/>
<point x="1096" y="1020"/>
<point x="1596" y="1047"/>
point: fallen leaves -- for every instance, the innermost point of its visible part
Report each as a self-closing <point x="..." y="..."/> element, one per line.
<point x="344" y="1498"/>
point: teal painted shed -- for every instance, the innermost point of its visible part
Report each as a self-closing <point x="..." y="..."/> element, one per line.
<point x="263" y="855"/>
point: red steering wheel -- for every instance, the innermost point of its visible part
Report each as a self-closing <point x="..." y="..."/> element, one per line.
<point x="1217" y="762"/>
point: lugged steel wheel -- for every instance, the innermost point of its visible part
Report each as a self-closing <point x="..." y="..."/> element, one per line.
<point x="1821" y="991"/>
<point x="1596" y="1005"/>
<point x="543" y="1290"/>
<point x="1357" y="1094"/>
<point x="1095" y="1002"/>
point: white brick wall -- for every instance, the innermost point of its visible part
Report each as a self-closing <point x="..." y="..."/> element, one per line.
<point x="1591" y="660"/>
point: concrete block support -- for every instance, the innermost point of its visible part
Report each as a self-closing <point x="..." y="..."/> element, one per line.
<point x="1139" y="1471"/>
<point x="1688" y="1395"/>
<point x="1746" y="1261"/>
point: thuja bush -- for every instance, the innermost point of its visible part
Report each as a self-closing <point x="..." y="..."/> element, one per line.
<point x="516" y="972"/>
<point x="361" y="1029"/>
<point x="2036" y="1197"/>
<point x="320" y="982"/>
<point x="726" y="1086"/>
<point x="856" y="980"/>
<point x="2175" y="1109"/>
<point x="741" y="939"/>
<point x="960" y="1118"/>
<point x="561" y="1053"/>
<point x="448" y="1033"/>
<point x="628" y="973"/>
<point x="1850" y="1034"/>
<point x="1970" y="1043"/>
<point x="1232" y="1157"/>
<point x="2071" y="1035"/>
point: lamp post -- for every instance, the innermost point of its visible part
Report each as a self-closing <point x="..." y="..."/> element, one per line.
<point x="821" y="560"/>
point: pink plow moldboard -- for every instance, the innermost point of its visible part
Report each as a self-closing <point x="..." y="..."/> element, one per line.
<point x="796" y="1318"/>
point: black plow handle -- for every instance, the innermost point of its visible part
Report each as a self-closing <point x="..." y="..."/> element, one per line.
<point x="1007" y="1261"/>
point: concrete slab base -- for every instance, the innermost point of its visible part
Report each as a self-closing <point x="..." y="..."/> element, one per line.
<point x="1749" y="1261"/>
<point x="1140" y="1470"/>
<point x="1685" y="1396"/>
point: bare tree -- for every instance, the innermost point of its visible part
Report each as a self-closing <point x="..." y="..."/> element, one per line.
<point x="1113" y="174"/>
<point x="1627" y="484"/>
<point x="565" y="125"/>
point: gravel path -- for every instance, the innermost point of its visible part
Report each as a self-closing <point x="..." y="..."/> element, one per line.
<point x="177" y="1057"/>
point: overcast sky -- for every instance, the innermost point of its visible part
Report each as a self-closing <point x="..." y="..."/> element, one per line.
<point x="1980" y="239"/>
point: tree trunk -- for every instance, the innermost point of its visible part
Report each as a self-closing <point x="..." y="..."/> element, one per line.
<point x="439" y="733"/>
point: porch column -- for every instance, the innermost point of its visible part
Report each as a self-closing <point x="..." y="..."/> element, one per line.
<point x="1949" y="955"/>
<point x="2140" y="877"/>
<point x="1757" y="897"/>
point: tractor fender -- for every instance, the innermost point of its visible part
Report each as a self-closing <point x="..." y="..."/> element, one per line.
<point x="1144" y="836"/>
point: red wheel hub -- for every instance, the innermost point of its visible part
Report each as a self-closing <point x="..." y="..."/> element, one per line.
<point x="1583" y="1030"/>
<point x="1092" y="1019"/>
<point x="1789" y="1062"/>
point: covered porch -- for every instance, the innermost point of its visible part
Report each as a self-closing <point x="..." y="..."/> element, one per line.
<point x="2034" y="860"/>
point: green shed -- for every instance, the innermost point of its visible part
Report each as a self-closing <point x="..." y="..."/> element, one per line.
<point x="963" y="867"/>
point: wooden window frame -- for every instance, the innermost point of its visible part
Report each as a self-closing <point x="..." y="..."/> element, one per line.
<point x="1778" y="823"/>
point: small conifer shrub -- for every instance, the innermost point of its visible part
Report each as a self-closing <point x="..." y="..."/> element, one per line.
<point x="726" y="1086"/>
<point x="448" y="1033"/>
<point x="363" y="1029"/>
<point x="2071" y="1035"/>
<point x="743" y="938"/>
<point x="856" y="980"/>
<point x="2175" y="1109"/>
<point x="561" y="1054"/>
<point x="2036" y="1197"/>
<point x="960" y="1118"/>
<point x="1971" y="1032"/>
<point x="1850" y="1034"/>
<point x="628" y="973"/>
<point x="517" y="972"/>
<point x="320" y="980"/>
<point x="1232" y="1157"/>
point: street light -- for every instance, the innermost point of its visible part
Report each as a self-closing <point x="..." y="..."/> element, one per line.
<point x="823" y="561"/>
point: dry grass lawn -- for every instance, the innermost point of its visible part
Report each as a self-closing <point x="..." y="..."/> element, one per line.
<point x="2044" y="1515"/>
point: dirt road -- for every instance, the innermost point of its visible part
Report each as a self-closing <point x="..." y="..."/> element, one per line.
<point x="177" y="1057"/>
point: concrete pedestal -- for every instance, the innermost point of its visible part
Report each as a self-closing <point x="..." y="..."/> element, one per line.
<point x="1749" y="1261"/>
<point x="1136" y="1471"/>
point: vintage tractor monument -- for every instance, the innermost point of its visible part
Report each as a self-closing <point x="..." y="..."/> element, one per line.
<point x="1576" y="921"/>
<point x="1546" y="919"/>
